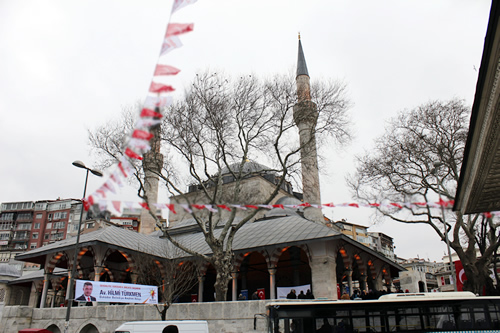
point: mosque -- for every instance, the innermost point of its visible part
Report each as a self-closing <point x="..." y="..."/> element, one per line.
<point x="280" y="249"/>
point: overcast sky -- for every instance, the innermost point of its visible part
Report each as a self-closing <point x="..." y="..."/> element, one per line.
<point x="68" y="66"/>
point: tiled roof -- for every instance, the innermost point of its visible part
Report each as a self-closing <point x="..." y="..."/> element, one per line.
<point x="114" y="236"/>
<point x="272" y="231"/>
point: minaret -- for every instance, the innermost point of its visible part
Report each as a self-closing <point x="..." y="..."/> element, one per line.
<point x="152" y="164"/>
<point x="305" y="115"/>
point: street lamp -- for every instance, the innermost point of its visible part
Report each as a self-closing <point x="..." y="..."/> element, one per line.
<point x="71" y="288"/>
<point x="452" y="266"/>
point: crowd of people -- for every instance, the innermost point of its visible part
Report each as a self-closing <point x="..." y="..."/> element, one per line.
<point x="293" y="294"/>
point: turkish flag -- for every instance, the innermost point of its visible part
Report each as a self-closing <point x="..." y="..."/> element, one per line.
<point x="261" y="293"/>
<point x="460" y="278"/>
<point x="194" y="298"/>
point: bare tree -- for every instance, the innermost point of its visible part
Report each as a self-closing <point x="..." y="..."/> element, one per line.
<point x="418" y="159"/>
<point x="220" y="126"/>
<point x="174" y="278"/>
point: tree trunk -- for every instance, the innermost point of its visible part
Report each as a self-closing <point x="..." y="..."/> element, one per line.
<point x="478" y="278"/>
<point x="223" y="265"/>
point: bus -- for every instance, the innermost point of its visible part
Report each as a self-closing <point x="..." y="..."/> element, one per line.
<point x="411" y="312"/>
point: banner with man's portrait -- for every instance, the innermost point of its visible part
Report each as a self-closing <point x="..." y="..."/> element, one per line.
<point x="97" y="291"/>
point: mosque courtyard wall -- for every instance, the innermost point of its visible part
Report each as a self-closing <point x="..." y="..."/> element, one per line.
<point x="221" y="316"/>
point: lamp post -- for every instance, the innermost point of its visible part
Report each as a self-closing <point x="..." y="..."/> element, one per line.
<point x="452" y="266"/>
<point x="71" y="288"/>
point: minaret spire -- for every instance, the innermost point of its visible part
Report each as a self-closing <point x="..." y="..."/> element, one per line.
<point x="301" y="61"/>
<point x="305" y="115"/>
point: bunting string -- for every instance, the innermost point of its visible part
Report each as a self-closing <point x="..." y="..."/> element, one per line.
<point x="138" y="142"/>
<point x="118" y="205"/>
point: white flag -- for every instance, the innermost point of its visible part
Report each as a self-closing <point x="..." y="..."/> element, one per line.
<point x="178" y="4"/>
<point x="169" y="44"/>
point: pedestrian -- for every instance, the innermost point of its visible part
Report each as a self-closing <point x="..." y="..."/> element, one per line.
<point x="255" y="296"/>
<point x="171" y="329"/>
<point x="301" y="295"/>
<point x="291" y="294"/>
<point x="309" y="294"/>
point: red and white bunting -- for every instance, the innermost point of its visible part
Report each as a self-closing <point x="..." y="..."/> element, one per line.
<point x="170" y="44"/>
<point x="117" y="206"/>
<point x="146" y="123"/>
<point x="150" y="113"/>
<point x="160" y="88"/>
<point x="132" y="154"/>
<point x="162" y="70"/>
<point x="160" y="101"/>
<point x="175" y="29"/>
<point x="178" y="4"/>
<point x="143" y="135"/>
<point x="139" y="144"/>
<point x="229" y="207"/>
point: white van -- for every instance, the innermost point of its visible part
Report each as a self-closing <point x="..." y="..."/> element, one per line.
<point x="184" y="326"/>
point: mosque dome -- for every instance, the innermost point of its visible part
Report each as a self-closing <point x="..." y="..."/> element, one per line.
<point x="275" y="212"/>
<point x="248" y="167"/>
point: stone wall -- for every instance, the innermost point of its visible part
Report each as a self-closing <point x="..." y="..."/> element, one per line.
<point x="235" y="317"/>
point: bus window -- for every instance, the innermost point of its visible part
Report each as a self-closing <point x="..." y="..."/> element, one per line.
<point x="404" y="319"/>
<point x="440" y="317"/>
<point x="493" y="311"/>
<point x="367" y="321"/>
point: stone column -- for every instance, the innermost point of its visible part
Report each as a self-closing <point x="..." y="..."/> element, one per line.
<point x="44" y="290"/>
<point x="272" y="282"/>
<point x="97" y="276"/>
<point x="323" y="271"/>
<point x="379" y="283"/>
<point x="201" y="280"/>
<point x="53" y="298"/>
<point x="349" y="281"/>
<point x="234" y="276"/>
<point x="363" y="283"/>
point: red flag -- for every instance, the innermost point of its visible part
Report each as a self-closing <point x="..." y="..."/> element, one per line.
<point x="443" y="203"/>
<point x="421" y="203"/>
<point x="353" y="205"/>
<point x="305" y="204"/>
<point x="224" y="207"/>
<point x="279" y="206"/>
<point x="143" y="135"/>
<point x="150" y="113"/>
<point x="261" y="293"/>
<point x="87" y="204"/>
<point x="101" y="192"/>
<point x="198" y="206"/>
<point x="117" y="205"/>
<point x="120" y="165"/>
<point x="165" y="70"/>
<point x="132" y="154"/>
<point x="329" y="204"/>
<point x="252" y="206"/>
<point x="144" y="205"/>
<point x="174" y="29"/>
<point x="171" y="207"/>
<point x="374" y="205"/>
<point x="488" y="215"/>
<point x="194" y="298"/>
<point x="460" y="278"/>
<point x="160" y="88"/>
<point x="396" y="205"/>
